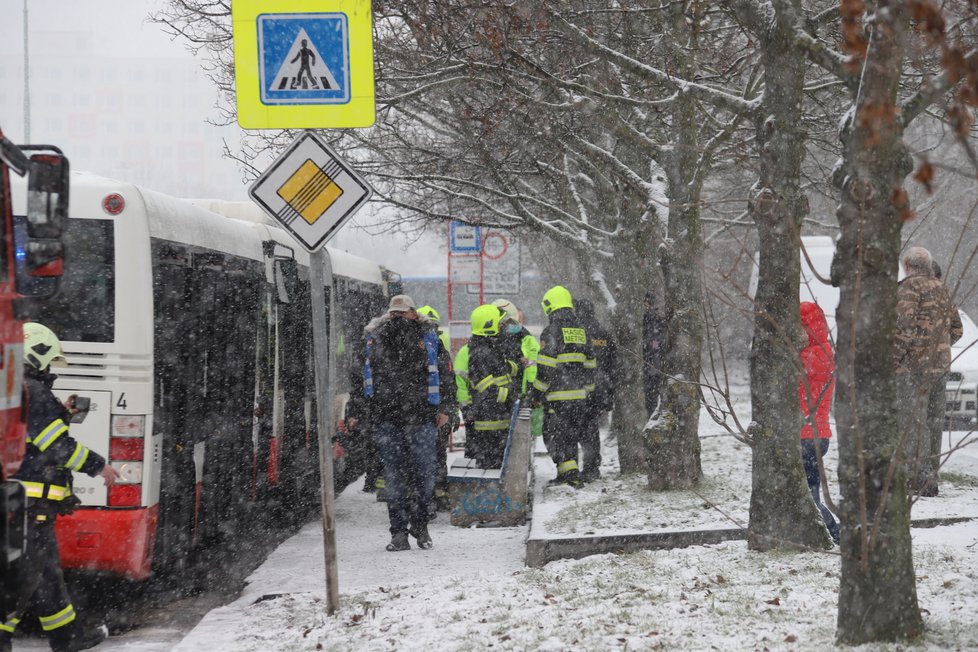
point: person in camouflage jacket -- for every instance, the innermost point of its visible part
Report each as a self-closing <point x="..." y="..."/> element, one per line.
<point x="927" y="325"/>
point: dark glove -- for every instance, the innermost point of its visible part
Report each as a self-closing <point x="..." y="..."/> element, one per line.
<point x="68" y="505"/>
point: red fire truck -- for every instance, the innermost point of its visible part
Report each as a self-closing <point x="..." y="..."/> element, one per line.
<point x="31" y="262"/>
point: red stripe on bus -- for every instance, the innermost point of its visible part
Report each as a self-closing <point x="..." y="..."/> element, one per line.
<point x="273" y="461"/>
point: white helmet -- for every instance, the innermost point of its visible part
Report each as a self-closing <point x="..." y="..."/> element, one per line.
<point x="42" y="348"/>
<point x="507" y="306"/>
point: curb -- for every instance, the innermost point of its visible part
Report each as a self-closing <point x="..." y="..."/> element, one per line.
<point x="541" y="550"/>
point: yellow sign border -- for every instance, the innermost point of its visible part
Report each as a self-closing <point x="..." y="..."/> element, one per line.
<point x="360" y="111"/>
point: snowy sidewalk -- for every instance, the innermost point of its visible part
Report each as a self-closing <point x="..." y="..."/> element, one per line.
<point x="472" y="591"/>
<point x="297" y="566"/>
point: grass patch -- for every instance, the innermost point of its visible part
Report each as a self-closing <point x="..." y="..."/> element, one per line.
<point x="960" y="479"/>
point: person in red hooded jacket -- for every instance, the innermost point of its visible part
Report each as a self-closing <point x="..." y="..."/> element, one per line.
<point x="815" y="390"/>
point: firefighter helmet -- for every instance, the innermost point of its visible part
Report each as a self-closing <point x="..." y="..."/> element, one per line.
<point x="430" y="313"/>
<point x="485" y="320"/>
<point x="556" y="298"/>
<point x="42" y="347"/>
<point x="507" y="306"/>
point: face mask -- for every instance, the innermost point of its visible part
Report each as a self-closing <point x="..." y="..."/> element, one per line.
<point x="513" y="329"/>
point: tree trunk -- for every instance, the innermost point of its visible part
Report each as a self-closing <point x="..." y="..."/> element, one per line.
<point x="629" y="416"/>
<point x="672" y="443"/>
<point x="782" y="513"/>
<point x="878" y="593"/>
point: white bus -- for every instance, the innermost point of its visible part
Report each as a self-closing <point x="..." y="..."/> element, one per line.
<point x="191" y="334"/>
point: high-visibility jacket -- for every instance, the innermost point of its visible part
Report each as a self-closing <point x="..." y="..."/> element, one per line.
<point x="492" y="378"/>
<point x="52" y="454"/>
<point x="461" y="367"/>
<point x="444" y="339"/>
<point x="566" y="364"/>
<point x="523" y="345"/>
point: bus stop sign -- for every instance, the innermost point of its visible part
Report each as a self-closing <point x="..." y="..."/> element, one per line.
<point x="310" y="191"/>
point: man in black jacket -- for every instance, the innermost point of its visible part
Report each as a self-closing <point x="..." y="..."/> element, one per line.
<point x="408" y="391"/>
<point x="51" y="456"/>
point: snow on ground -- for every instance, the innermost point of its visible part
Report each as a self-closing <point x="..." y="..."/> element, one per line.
<point x="472" y="591"/>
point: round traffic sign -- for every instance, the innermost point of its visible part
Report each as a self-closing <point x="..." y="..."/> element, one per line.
<point x="494" y="245"/>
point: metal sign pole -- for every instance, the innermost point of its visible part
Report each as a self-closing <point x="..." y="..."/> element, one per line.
<point x="310" y="180"/>
<point x="321" y="276"/>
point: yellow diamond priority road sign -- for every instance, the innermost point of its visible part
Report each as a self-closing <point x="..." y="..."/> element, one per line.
<point x="310" y="191"/>
<point x="303" y="64"/>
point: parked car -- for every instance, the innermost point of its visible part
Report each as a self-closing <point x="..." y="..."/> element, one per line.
<point x="962" y="381"/>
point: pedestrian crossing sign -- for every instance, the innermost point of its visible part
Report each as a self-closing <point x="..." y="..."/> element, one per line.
<point x="308" y="64"/>
<point x="299" y="73"/>
<point x="310" y="191"/>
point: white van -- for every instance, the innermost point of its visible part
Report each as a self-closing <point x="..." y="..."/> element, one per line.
<point x="962" y="381"/>
<point x="820" y="249"/>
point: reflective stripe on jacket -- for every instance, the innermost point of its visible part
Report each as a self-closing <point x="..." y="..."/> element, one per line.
<point x="492" y="381"/>
<point x="566" y="364"/>
<point x="52" y="453"/>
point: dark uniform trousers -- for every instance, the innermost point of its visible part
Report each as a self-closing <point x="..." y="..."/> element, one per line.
<point x="562" y="431"/>
<point x="591" y="441"/>
<point x="41" y="586"/>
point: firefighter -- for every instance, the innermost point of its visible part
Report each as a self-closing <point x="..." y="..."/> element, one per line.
<point x="529" y="348"/>
<point x="52" y="455"/>
<point x="441" y="502"/>
<point x="463" y="395"/>
<point x="525" y="347"/>
<point x="493" y="382"/>
<point x="435" y="319"/>
<point x="601" y="400"/>
<point x="565" y="377"/>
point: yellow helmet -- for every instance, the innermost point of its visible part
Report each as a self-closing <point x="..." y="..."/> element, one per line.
<point x="556" y="298"/>
<point x="507" y="306"/>
<point x="430" y="313"/>
<point x="485" y="320"/>
<point x="42" y="347"/>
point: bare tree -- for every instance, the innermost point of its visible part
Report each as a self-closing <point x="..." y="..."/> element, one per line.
<point x="877" y="597"/>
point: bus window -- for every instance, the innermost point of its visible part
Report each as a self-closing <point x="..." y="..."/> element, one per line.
<point x="84" y="308"/>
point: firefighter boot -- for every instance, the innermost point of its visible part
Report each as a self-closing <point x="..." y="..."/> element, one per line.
<point x="570" y="478"/>
<point x="421" y="534"/>
<point x="90" y="639"/>
<point x="399" y="541"/>
<point x="5" y="645"/>
<point x="73" y="638"/>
